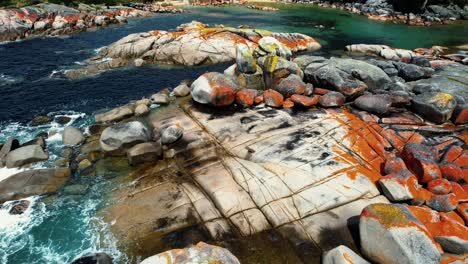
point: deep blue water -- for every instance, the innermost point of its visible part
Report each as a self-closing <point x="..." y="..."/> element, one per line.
<point x="56" y="231"/>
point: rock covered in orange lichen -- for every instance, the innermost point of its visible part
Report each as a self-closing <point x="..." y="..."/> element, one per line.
<point x="439" y="186"/>
<point x="201" y="44"/>
<point x="273" y="98"/>
<point x="446" y="230"/>
<point x="246" y="97"/>
<point x="304" y="101"/>
<point x="399" y="186"/>
<point x="214" y="88"/>
<point x="420" y="160"/>
<point x="391" y="234"/>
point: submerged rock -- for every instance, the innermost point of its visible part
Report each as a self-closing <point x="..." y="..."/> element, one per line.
<point x="200" y="253"/>
<point x="19" y="207"/>
<point x="124" y="135"/>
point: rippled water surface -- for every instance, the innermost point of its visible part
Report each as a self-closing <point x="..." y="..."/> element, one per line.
<point x="59" y="229"/>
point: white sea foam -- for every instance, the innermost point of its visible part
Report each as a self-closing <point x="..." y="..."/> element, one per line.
<point x="8" y="79"/>
<point x="14" y="229"/>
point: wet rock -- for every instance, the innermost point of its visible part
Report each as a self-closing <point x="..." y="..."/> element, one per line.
<point x="171" y="134"/>
<point x="420" y="160"/>
<point x="245" y="60"/>
<point x="25" y="155"/>
<point x="332" y="99"/>
<point x="271" y="46"/>
<point x="138" y="62"/>
<point x="290" y="85"/>
<point x="40" y="140"/>
<point x="19" y="207"/>
<point x="411" y="72"/>
<point x="378" y="104"/>
<point x="391" y="234"/>
<point x="342" y="255"/>
<point x="75" y="189"/>
<point x="214" y="88"/>
<point x="62" y="120"/>
<point x="124" y="135"/>
<point x="96" y="258"/>
<point x="144" y="152"/>
<point x="72" y="136"/>
<point x="443" y="203"/>
<point x="304" y="101"/>
<point x="141" y="109"/>
<point x="246" y="97"/>
<point x="399" y="186"/>
<point x="160" y="98"/>
<point x="33" y="182"/>
<point x="436" y="107"/>
<point x="200" y="253"/>
<point x="439" y="186"/>
<point x="40" y="120"/>
<point x="421" y="61"/>
<point x="273" y="98"/>
<point x="182" y="90"/>
<point x="115" y="114"/>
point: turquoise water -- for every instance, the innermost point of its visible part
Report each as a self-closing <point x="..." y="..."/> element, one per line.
<point x="58" y="229"/>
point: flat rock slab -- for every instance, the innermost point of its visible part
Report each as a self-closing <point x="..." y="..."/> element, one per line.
<point x="248" y="171"/>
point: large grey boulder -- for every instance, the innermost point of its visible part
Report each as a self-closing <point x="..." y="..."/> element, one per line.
<point x="124" y="135"/>
<point x="25" y="155"/>
<point x="391" y="234"/>
<point x="342" y="255"/>
<point x="436" y="107"/>
<point x="373" y="76"/>
<point x="33" y="182"/>
<point x="72" y="136"/>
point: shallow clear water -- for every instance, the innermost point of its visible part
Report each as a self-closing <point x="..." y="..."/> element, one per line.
<point x="58" y="230"/>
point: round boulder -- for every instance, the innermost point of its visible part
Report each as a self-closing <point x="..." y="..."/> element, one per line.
<point x="332" y="99"/>
<point x="214" y="88"/>
<point x="124" y="135"/>
<point x="379" y="104"/>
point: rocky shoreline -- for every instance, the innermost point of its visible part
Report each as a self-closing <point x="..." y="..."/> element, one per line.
<point x="193" y="44"/>
<point x="52" y="20"/>
<point x="414" y="13"/>
<point x="361" y="158"/>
